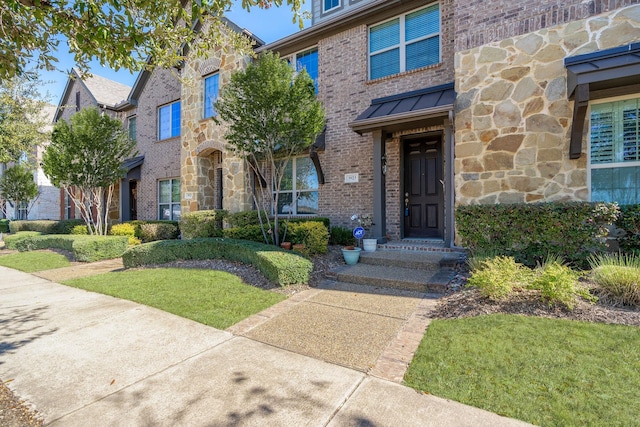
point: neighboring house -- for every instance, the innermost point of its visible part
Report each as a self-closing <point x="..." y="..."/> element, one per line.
<point x="47" y="203"/>
<point x="429" y="105"/>
<point x="92" y="91"/>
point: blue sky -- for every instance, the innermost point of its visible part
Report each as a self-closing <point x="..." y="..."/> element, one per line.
<point x="270" y="25"/>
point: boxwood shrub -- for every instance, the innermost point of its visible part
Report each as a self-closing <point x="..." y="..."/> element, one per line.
<point x="281" y="267"/>
<point x="41" y="226"/>
<point x="531" y="232"/>
<point x="84" y="248"/>
<point x="150" y="234"/>
<point x="629" y="222"/>
<point x="197" y="224"/>
<point x="313" y="234"/>
<point x="4" y="225"/>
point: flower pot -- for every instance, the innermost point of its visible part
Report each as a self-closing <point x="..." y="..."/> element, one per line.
<point x="369" y="245"/>
<point x="351" y="256"/>
<point x="285" y="245"/>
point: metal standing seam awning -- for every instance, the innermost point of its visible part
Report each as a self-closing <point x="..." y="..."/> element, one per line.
<point x="406" y="107"/>
<point x="129" y="166"/>
<point x="605" y="69"/>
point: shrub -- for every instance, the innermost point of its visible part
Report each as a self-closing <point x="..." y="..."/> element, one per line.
<point x="243" y="219"/>
<point x="125" y="229"/>
<point x="66" y="226"/>
<point x="281" y="267"/>
<point x="252" y="233"/>
<point x="139" y="223"/>
<point x="618" y="276"/>
<point x="84" y="248"/>
<point x="11" y="241"/>
<point x="43" y="226"/>
<point x="202" y="224"/>
<point x="158" y="231"/>
<point x="529" y="232"/>
<point x="342" y="236"/>
<point x="313" y="234"/>
<point x="558" y="283"/>
<point x="629" y="221"/>
<point x="4" y="225"/>
<point x="497" y="277"/>
<point x="80" y="230"/>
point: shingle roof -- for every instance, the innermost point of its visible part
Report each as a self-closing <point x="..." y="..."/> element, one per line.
<point x="106" y="91"/>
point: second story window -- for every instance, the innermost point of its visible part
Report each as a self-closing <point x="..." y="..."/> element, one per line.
<point x="405" y="43"/>
<point x="327" y="5"/>
<point x="308" y="60"/>
<point x="132" y="127"/>
<point x="169" y="121"/>
<point x="211" y="86"/>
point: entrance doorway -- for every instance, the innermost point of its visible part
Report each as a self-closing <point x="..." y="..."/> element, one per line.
<point x="423" y="187"/>
<point x="133" y="200"/>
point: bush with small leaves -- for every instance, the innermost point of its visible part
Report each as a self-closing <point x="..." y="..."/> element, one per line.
<point x="496" y="277"/>
<point x="80" y="230"/>
<point x="342" y="236"/>
<point x="558" y="283"/>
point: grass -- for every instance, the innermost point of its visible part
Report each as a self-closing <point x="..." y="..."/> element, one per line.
<point x="214" y="298"/>
<point x="30" y="262"/>
<point x="547" y="372"/>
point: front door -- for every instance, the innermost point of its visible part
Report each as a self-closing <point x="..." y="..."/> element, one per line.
<point x="423" y="187"/>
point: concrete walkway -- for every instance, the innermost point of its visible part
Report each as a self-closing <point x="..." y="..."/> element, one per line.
<point x="83" y="358"/>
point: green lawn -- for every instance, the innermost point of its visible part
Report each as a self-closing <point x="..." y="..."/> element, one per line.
<point x="544" y="371"/>
<point x="30" y="262"/>
<point x="215" y="298"/>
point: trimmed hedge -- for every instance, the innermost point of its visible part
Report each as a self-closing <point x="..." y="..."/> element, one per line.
<point x="65" y="226"/>
<point x="342" y="236"/>
<point x="281" y="267"/>
<point x="199" y="224"/>
<point x="4" y="225"/>
<point x="84" y="248"/>
<point x="629" y="222"/>
<point x="151" y="234"/>
<point x="531" y="232"/>
<point x="249" y="218"/>
<point x="313" y="234"/>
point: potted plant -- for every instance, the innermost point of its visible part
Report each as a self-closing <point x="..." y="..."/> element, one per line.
<point x="351" y="254"/>
<point x="366" y="221"/>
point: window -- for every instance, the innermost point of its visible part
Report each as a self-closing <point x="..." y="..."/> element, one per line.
<point x="169" y="121"/>
<point x="169" y="199"/>
<point x="615" y="152"/>
<point x="300" y="179"/>
<point x="210" y="94"/>
<point x="405" y="43"/>
<point x="68" y="206"/>
<point x="132" y="127"/>
<point x="327" y="5"/>
<point x="21" y="210"/>
<point x="77" y="101"/>
<point x="308" y="60"/>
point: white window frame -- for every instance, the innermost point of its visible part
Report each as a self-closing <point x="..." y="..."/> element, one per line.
<point x="332" y="8"/>
<point x="402" y="45"/>
<point x="171" y="203"/>
<point x="590" y="167"/>
<point x="294" y="191"/>
<point x="204" y="95"/>
<point x="170" y="105"/>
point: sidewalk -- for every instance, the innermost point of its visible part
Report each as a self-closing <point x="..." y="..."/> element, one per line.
<point x="83" y="358"/>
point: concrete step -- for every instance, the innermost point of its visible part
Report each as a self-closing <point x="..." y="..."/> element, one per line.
<point x="417" y="260"/>
<point x="385" y="276"/>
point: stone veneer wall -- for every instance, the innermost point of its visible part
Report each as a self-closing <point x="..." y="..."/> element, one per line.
<point x="513" y="118"/>
<point x="203" y="145"/>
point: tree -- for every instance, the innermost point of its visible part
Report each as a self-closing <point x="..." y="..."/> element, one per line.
<point x="22" y="121"/>
<point x="272" y="114"/>
<point x="85" y="157"/>
<point x="119" y="34"/>
<point x="18" y="187"/>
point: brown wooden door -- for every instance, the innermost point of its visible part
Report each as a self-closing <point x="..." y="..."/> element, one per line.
<point x="423" y="188"/>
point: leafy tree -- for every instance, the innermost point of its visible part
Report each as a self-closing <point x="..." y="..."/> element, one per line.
<point x="85" y="157"/>
<point x="272" y="114"/>
<point x="22" y="122"/>
<point x="120" y="34"/>
<point x="18" y="187"/>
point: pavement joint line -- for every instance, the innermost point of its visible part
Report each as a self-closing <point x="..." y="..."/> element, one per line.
<point x="346" y="399"/>
<point x="230" y="338"/>
<point x="356" y="310"/>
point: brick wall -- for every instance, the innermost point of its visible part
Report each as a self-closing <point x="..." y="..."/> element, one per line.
<point x="161" y="158"/>
<point x="479" y="22"/>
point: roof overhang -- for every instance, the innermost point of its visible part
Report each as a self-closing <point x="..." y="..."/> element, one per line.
<point x="603" y="73"/>
<point x="131" y="167"/>
<point x="406" y="108"/>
